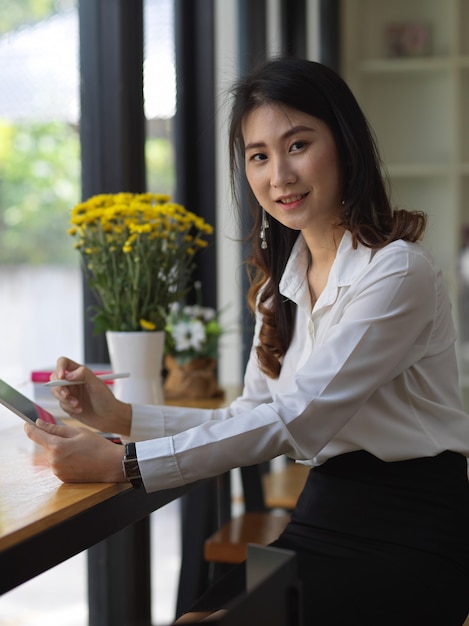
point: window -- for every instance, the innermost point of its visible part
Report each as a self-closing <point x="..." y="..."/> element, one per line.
<point x="159" y="78"/>
<point x="41" y="316"/>
<point x="40" y="286"/>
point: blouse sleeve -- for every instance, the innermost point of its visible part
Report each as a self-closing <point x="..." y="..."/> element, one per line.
<point x="385" y="326"/>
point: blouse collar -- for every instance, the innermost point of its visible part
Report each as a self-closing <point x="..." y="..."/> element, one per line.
<point x="348" y="263"/>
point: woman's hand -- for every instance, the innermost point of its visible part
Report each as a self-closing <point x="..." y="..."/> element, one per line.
<point x="93" y="403"/>
<point x="78" y="455"/>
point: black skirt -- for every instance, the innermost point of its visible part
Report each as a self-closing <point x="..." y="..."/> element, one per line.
<point x="378" y="543"/>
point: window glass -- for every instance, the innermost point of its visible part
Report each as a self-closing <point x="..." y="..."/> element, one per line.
<point x="41" y="313"/>
<point x="40" y="282"/>
<point x="159" y="94"/>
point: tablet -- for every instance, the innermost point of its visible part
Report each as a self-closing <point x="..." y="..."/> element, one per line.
<point x="23" y="406"/>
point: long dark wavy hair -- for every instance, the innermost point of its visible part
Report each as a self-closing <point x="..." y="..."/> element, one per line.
<point x="318" y="91"/>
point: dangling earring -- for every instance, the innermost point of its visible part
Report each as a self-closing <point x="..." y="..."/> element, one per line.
<point x="264" y="225"/>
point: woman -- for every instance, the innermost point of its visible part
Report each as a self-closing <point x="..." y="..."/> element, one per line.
<point x="352" y="370"/>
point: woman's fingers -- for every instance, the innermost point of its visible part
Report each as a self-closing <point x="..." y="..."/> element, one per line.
<point x="44" y="432"/>
<point x="78" y="454"/>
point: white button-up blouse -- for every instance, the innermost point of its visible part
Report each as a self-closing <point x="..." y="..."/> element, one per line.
<point x="371" y="367"/>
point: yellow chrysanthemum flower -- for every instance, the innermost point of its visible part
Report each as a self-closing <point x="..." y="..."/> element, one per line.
<point x="146" y="325"/>
<point x="139" y="254"/>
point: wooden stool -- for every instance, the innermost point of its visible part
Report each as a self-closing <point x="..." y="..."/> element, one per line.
<point x="229" y="543"/>
<point x="281" y="490"/>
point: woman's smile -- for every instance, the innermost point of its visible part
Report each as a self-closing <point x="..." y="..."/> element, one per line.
<point x="291" y="202"/>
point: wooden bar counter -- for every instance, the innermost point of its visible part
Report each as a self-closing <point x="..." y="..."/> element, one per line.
<point x="44" y="522"/>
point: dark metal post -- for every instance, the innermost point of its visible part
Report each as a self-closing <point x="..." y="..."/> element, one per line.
<point x="252" y="39"/>
<point x="252" y="33"/>
<point x="112" y="125"/>
<point x="293" y="27"/>
<point x="195" y="188"/>
<point x="195" y="126"/>
<point x="112" y="144"/>
<point x="329" y="14"/>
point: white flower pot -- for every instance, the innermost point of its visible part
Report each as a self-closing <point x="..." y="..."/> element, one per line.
<point x="140" y="354"/>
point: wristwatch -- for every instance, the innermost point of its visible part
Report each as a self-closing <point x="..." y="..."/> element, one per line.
<point x="130" y="465"/>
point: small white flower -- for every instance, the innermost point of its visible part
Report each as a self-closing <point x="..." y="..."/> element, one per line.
<point x="198" y="334"/>
<point x="174" y="308"/>
<point x="187" y="335"/>
<point x="191" y="310"/>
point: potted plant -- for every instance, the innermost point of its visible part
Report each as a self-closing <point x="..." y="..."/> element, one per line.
<point x="138" y="252"/>
<point x="191" y="350"/>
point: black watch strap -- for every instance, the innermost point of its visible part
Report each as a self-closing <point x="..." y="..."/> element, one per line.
<point x="130" y="465"/>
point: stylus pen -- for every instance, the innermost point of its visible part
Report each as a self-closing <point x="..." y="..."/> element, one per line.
<point x="67" y="383"/>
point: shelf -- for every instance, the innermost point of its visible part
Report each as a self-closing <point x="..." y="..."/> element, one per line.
<point x="367" y="23"/>
<point x="415" y="170"/>
<point x="426" y="170"/>
<point x="417" y="105"/>
<point x="412" y="65"/>
<point x="420" y="64"/>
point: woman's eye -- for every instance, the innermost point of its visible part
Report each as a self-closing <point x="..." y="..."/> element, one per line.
<point x="258" y="157"/>
<point x="298" y="145"/>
